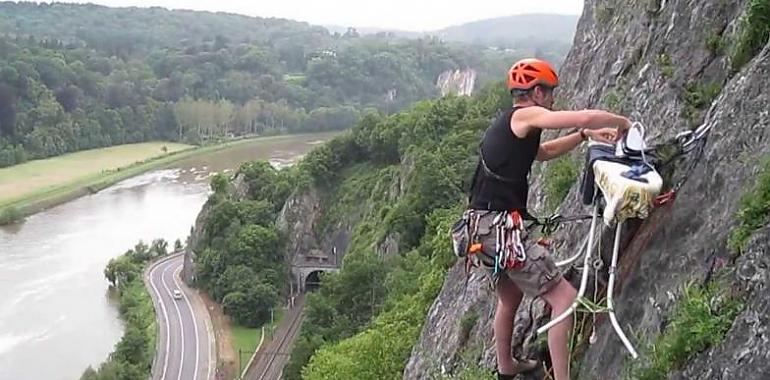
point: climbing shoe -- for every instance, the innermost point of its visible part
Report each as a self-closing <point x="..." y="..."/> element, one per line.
<point x="519" y="366"/>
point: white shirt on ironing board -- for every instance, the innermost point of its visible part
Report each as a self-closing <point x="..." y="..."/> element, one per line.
<point x="625" y="197"/>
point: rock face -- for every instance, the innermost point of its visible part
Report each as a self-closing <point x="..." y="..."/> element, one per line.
<point x="745" y="352"/>
<point x="646" y="59"/>
<point x="296" y="221"/>
<point x="460" y="82"/>
<point x="299" y="214"/>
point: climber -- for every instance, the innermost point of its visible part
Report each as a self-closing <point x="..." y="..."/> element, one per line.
<point x="498" y="203"/>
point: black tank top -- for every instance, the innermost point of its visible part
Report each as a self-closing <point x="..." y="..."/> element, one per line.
<point x="503" y="184"/>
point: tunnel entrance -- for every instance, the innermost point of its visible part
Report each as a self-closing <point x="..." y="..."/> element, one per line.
<point x="313" y="281"/>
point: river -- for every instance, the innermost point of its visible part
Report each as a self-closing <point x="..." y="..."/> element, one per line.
<point x="56" y="315"/>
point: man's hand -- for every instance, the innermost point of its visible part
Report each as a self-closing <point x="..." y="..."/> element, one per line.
<point x="623" y="127"/>
<point x="604" y="135"/>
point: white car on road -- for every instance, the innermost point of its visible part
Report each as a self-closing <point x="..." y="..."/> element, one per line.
<point x="177" y="294"/>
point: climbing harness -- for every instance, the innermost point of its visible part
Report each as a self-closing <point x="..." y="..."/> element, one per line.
<point x="509" y="239"/>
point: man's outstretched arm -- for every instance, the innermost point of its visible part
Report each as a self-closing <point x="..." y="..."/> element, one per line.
<point x="558" y="146"/>
<point x="538" y="117"/>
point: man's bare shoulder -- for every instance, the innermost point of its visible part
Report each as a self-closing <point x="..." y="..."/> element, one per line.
<point x="521" y="121"/>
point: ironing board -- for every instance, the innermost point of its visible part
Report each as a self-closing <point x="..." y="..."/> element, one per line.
<point x="624" y="198"/>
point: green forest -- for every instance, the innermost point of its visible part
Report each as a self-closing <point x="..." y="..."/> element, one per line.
<point x="76" y="77"/>
<point x="239" y="261"/>
<point x="364" y="320"/>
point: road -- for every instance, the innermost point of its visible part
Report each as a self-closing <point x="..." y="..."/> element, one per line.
<point x="185" y="349"/>
<point x="273" y="356"/>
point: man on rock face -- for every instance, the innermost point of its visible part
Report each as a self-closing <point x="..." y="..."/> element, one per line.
<point x="499" y="195"/>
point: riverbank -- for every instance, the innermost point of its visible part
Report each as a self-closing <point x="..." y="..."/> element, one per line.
<point x="134" y="353"/>
<point x="33" y="201"/>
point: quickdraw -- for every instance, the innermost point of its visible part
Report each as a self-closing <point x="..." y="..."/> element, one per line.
<point x="550" y="224"/>
<point x="685" y="143"/>
<point x="509" y="249"/>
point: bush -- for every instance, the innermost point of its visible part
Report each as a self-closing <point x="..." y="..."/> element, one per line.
<point x="10" y="214"/>
<point x="559" y="177"/>
<point x="466" y="324"/>
<point x="665" y="64"/>
<point x="698" y="97"/>
<point x="715" y="44"/>
<point x="701" y="320"/>
<point x="754" y="211"/>
<point x="754" y="35"/>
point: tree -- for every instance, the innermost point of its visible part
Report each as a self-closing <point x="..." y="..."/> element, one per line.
<point x="142" y="252"/>
<point x="261" y="179"/>
<point x="131" y="348"/>
<point x="252" y="307"/>
<point x="162" y="79"/>
<point x="68" y="97"/>
<point x="7" y="111"/>
<point x="236" y="278"/>
<point x="351" y="33"/>
<point x="219" y="184"/>
<point x="89" y="374"/>
<point x="237" y="304"/>
<point x="252" y="245"/>
<point x="209" y="264"/>
<point x="159" y="247"/>
<point x="119" y="95"/>
<point x="121" y="271"/>
<point x="110" y="272"/>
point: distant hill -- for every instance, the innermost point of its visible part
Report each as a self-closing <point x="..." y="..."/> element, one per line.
<point x="547" y="36"/>
<point x="374" y="30"/>
<point x="514" y="31"/>
<point x="508" y="32"/>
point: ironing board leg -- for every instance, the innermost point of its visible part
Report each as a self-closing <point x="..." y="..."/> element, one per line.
<point x="583" y="280"/>
<point x="611" y="288"/>
<point x="574" y="258"/>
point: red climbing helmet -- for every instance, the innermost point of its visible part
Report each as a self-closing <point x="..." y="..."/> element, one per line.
<point x="528" y="73"/>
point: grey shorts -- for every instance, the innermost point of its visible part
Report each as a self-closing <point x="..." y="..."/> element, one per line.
<point x="538" y="274"/>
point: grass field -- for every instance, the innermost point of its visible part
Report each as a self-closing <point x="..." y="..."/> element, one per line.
<point x="33" y="186"/>
<point x="246" y="339"/>
<point x="20" y="180"/>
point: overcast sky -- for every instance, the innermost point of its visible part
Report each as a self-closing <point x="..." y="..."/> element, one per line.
<point x="417" y="15"/>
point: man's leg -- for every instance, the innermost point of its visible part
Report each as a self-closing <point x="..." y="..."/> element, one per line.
<point x="560" y="297"/>
<point x="508" y="299"/>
